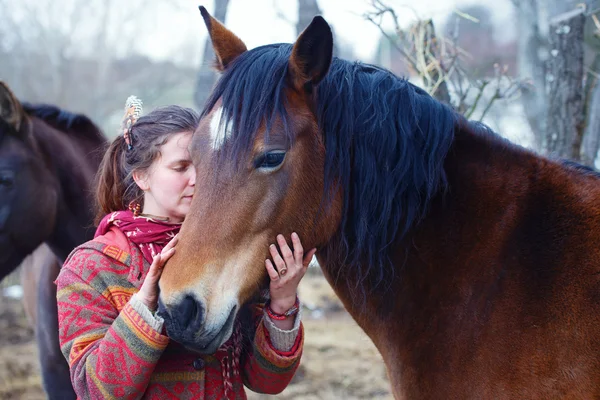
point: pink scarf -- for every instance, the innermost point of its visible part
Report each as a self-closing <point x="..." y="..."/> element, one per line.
<point x="150" y="235"/>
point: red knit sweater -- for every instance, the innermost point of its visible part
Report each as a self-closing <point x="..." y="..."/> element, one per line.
<point x="114" y="353"/>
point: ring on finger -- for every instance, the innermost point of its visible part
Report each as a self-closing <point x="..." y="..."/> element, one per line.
<point x="283" y="271"/>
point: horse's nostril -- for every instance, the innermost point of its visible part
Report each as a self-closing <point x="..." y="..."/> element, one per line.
<point x="162" y="310"/>
<point x="188" y="311"/>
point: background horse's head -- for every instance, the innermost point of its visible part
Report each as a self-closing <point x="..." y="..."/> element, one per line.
<point x="28" y="190"/>
<point x="257" y="177"/>
<point x="48" y="159"/>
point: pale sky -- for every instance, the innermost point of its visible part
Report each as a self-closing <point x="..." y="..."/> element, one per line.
<point x="256" y="22"/>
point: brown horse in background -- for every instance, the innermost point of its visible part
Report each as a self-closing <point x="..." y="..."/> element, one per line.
<point x="48" y="160"/>
<point x="472" y="263"/>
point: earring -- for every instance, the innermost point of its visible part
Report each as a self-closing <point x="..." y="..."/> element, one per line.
<point x="135" y="208"/>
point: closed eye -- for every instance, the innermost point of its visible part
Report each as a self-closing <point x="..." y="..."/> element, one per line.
<point x="181" y="166"/>
<point x="269" y="161"/>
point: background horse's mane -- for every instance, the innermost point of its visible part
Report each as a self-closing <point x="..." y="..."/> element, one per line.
<point x="84" y="143"/>
<point x="77" y="125"/>
<point x="385" y="139"/>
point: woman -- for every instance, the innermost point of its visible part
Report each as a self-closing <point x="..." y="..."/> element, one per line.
<point x="108" y="288"/>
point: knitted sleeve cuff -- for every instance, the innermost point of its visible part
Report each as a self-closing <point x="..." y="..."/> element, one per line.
<point x="280" y="339"/>
<point x="154" y="321"/>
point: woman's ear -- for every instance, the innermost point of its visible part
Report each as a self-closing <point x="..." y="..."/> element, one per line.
<point x="141" y="179"/>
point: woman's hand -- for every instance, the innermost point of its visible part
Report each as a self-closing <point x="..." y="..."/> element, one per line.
<point x="286" y="271"/>
<point x="148" y="293"/>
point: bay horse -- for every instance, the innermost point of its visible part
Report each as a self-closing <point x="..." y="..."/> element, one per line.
<point x="473" y="264"/>
<point x="48" y="160"/>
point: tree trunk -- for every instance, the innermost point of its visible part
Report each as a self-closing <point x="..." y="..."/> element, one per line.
<point x="531" y="55"/>
<point x="307" y="10"/>
<point x="206" y="74"/>
<point x="591" y="139"/>
<point x="565" y="122"/>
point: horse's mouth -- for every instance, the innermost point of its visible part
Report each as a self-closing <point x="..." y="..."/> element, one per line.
<point x="212" y="344"/>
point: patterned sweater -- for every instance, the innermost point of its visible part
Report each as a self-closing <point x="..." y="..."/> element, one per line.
<point x="115" y="350"/>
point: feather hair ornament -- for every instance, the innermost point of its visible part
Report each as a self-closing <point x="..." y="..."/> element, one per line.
<point x="133" y="111"/>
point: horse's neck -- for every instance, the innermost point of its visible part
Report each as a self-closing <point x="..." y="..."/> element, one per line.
<point x="75" y="164"/>
<point x="485" y="175"/>
<point x="490" y="182"/>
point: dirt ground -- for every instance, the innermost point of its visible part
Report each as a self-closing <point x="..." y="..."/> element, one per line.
<point x="339" y="361"/>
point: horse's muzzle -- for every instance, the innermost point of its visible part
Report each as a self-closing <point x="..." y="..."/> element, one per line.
<point x="185" y="324"/>
<point x="183" y="319"/>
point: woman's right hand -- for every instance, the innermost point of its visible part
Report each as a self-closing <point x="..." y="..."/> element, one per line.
<point x="148" y="293"/>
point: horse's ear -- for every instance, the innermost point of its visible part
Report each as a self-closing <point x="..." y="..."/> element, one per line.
<point x="312" y="54"/>
<point x="10" y="108"/>
<point x="226" y="44"/>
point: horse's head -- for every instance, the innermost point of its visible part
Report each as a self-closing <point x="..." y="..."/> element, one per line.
<point x="27" y="189"/>
<point x="259" y="156"/>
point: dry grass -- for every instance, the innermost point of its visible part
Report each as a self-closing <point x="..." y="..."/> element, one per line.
<point x="339" y="361"/>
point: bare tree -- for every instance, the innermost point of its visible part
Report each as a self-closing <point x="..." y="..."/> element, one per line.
<point x="307" y="9"/>
<point x="437" y="61"/>
<point x="591" y="138"/>
<point x="531" y="63"/>
<point x="550" y="64"/>
<point x="565" y="127"/>
<point x="81" y="55"/>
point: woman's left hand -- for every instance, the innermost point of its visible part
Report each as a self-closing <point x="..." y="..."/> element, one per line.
<point x="290" y="266"/>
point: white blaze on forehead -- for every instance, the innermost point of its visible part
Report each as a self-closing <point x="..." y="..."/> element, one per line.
<point x="218" y="134"/>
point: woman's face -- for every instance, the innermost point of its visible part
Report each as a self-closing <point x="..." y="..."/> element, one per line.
<point x="168" y="184"/>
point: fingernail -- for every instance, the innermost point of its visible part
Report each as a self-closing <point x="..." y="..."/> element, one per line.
<point x="272" y="245"/>
<point x="294" y="235"/>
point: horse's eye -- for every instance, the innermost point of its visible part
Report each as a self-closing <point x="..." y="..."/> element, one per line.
<point x="270" y="160"/>
<point x="7" y="178"/>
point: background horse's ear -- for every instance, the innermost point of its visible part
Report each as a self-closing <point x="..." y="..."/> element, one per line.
<point x="312" y="53"/>
<point x="10" y="108"/>
<point x="226" y="44"/>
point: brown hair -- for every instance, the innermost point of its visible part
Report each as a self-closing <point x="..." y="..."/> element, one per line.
<point x="115" y="187"/>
